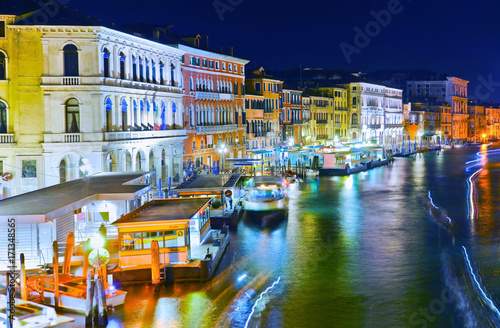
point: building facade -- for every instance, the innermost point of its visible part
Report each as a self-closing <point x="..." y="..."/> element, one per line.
<point x="214" y="90"/>
<point x="97" y="100"/>
<point x="292" y="115"/>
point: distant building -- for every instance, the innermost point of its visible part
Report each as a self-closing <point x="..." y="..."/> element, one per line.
<point x="214" y="91"/>
<point x="292" y="115"/>
<point x="267" y="133"/>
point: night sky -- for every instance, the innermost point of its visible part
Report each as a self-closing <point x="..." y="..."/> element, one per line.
<point x="457" y="37"/>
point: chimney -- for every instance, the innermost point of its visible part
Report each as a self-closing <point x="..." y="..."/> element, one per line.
<point x="156" y="34"/>
<point x="206" y="36"/>
<point x="231" y="51"/>
<point x="221" y="50"/>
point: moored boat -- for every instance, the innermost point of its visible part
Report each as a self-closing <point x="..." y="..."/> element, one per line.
<point x="31" y="315"/>
<point x="73" y="293"/>
<point x="265" y="193"/>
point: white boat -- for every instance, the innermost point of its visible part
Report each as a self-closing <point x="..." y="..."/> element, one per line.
<point x="312" y="173"/>
<point x="73" y="293"/>
<point x="265" y="193"/>
<point x="31" y="315"/>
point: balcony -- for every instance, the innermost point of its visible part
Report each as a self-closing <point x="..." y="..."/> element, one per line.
<point x="322" y="137"/>
<point x="70" y="80"/>
<point x="130" y="135"/>
<point x="354" y="126"/>
<point x="338" y="125"/>
<point x="374" y="126"/>
<point x="216" y="128"/>
<point x="72" y="137"/>
<point x="271" y="134"/>
<point x="203" y="95"/>
<point x="321" y="121"/>
<point x="7" y="138"/>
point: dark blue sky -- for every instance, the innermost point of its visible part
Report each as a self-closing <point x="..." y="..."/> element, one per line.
<point x="455" y="37"/>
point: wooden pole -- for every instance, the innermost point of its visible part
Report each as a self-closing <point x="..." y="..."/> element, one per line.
<point x="70" y="244"/>
<point x="155" y="265"/>
<point x="90" y="299"/>
<point x="55" y="265"/>
<point x="86" y="252"/>
<point x="102" y="317"/>
<point x="24" y="291"/>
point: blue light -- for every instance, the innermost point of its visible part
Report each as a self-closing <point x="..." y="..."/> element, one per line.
<point x="243" y="276"/>
<point x="260" y="297"/>
<point x="486" y="298"/>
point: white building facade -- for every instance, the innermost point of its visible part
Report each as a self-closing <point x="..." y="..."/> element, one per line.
<point x="112" y="102"/>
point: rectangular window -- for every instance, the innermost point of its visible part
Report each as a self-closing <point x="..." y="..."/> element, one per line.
<point x="230" y="66"/>
<point x="197" y="61"/>
<point x="29" y="168"/>
<point x="1" y="167"/>
<point x="131" y="240"/>
<point x="242" y="70"/>
<point x="211" y="64"/>
<point x="2" y="29"/>
<point x="149" y="236"/>
<point x="257" y="86"/>
<point x="235" y="68"/>
<point x="204" y="62"/>
<point x="223" y="66"/>
<point x="216" y="65"/>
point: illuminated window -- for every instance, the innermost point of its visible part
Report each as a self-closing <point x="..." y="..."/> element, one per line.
<point x="122" y="65"/>
<point x="2" y="29"/>
<point x="72" y="116"/>
<point x="105" y="54"/>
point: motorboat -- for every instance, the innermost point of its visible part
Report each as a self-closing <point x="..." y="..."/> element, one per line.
<point x="310" y="173"/>
<point x="73" y="293"/>
<point x="265" y="193"/>
<point x="31" y="315"/>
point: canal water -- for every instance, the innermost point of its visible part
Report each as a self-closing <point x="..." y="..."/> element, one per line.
<point x="413" y="244"/>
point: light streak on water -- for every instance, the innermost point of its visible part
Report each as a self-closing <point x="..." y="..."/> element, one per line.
<point x="471" y="199"/>
<point x="260" y="297"/>
<point x="432" y="202"/>
<point x="485" y="297"/>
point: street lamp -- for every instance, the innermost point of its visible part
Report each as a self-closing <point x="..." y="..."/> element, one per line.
<point x="222" y="151"/>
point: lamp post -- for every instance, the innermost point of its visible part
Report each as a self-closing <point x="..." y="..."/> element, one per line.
<point x="484" y="137"/>
<point x="222" y="151"/>
<point x="419" y="135"/>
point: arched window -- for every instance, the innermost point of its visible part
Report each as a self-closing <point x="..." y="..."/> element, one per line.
<point x="72" y="116"/>
<point x="134" y="68"/>
<point x="162" y="69"/>
<point x="147" y="70"/>
<point x="354" y="119"/>
<point x="62" y="171"/>
<point x="105" y="54"/>
<point x="109" y="115"/>
<point x="122" y="66"/>
<point x="136" y="115"/>
<point x="124" y="115"/>
<point x="153" y="68"/>
<point x="141" y="70"/>
<point x="191" y="115"/>
<point x="173" y="115"/>
<point x="172" y="75"/>
<point x="155" y="116"/>
<point x="163" y="121"/>
<point x="3" y="117"/>
<point x="70" y="60"/>
<point x="191" y="84"/>
<point x="143" y="115"/>
<point x="3" y="66"/>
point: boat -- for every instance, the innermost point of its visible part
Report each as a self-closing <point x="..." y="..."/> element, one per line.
<point x="31" y="315"/>
<point x="265" y="193"/>
<point x="73" y="293"/>
<point x="312" y="173"/>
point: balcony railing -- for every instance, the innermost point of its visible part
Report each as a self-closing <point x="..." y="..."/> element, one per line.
<point x="6" y="138"/>
<point x="72" y="137"/>
<point x="127" y="135"/>
<point x="213" y="96"/>
<point x="70" y="80"/>
<point x="354" y="126"/>
<point x="374" y="126"/>
<point x="216" y="128"/>
<point x="321" y="121"/>
<point x="338" y="125"/>
<point x="271" y="134"/>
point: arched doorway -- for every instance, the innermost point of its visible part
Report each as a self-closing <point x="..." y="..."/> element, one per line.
<point x="151" y="160"/>
<point x="127" y="162"/>
<point x="111" y="162"/>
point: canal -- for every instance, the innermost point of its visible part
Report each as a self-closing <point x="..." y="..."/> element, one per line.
<point x="408" y="245"/>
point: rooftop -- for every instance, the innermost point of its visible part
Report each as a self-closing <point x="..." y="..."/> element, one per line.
<point x="165" y="210"/>
<point x="53" y="201"/>
<point x="210" y="181"/>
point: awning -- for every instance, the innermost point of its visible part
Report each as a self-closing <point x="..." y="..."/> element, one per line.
<point x="258" y="152"/>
